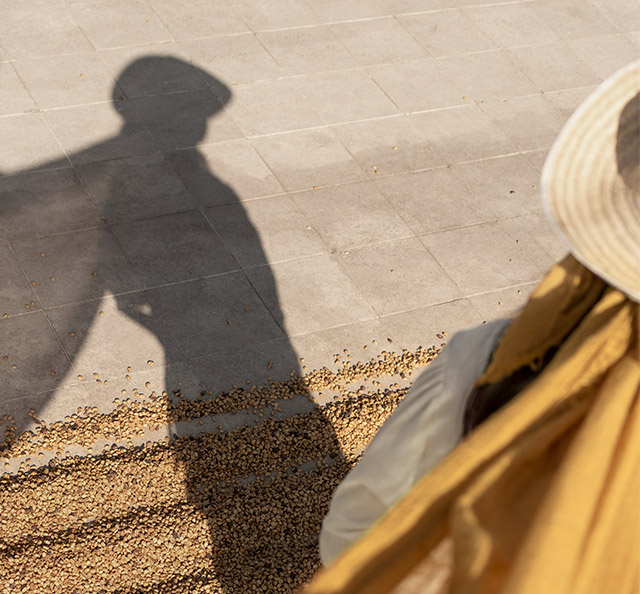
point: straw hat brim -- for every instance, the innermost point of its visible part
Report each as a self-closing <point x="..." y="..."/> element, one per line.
<point x="590" y="187"/>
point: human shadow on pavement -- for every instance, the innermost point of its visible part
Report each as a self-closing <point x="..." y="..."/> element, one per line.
<point x="133" y="218"/>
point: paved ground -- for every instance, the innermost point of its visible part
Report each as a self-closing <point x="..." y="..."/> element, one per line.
<point x="223" y="189"/>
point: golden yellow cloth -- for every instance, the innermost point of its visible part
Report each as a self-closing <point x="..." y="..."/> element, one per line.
<point x="543" y="497"/>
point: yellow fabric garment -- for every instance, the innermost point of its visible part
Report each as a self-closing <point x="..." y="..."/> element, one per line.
<point x="543" y="497"/>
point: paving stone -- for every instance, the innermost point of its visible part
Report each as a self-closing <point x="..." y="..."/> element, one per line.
<point x="481" y="258"/>
<point x="135" y="188"/>
<point x="346" y="95"/>
<point x="173" y="248"/>
<point x="269" y="230"/>
<point x="504" y="303"/>
<point x="46" y="405"/>
<point x="14" y="97"/>
<point x="553" y="67"/>
<point x="530" y="123"/>
<point x="433" y="200"/>
<point x="379" y="41"/>
<point x="512" y="25"/>
<point x="30" y="30"/>
<point x="83" y="265"/>
<point x="203" y="19"/>
<point x="208" y="315"/>
<point x="117" y="23"/>
<point x="251" y="365"/>
<point x="398" y="275"/>
<point x="33" y="352"/>
<point x="180" y="120"/>
<point x="446" y="33"/>
<point x="418" y="85"/>
<point x="306" y="50"/>
<point x="605" y="54"/>
<point x="310" y="294"/>
<point x="430" y="326"/>
<point x="107" y="335"/>
<point x="462" y="133"/>
<point x="505" y="186"/>
<point x="63" y="81"/>
<point x="16" y="293"/>
<point x="388" y="145"/>
<point x="28" y="144"/>
<point x="485" y="76"/>
<point x="535" y="236"/>
<point x="351" y="215"/>
<point x="234" y="59"/>
<point x="262" y="15"/>
<point x="269" y="106"/>
<point x="224" y="173"/>
<point x="573" y="19"/>
<point x="308" y="158"/>
<point x="45" y="202"/>
<point x="154" y="70"/>
<point x="101" y="131"/>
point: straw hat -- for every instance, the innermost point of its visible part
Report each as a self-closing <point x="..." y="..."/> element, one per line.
<point x="591" y="182"/>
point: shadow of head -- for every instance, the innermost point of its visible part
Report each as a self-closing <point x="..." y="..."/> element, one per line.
<point x="171" y="92"/>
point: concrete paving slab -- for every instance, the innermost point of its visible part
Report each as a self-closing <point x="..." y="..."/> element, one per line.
<point x="351" y="215"/>
<point x="30" y="30"/>
<point x="251" y="365"/>
<point x="503" y="303"/>
<point x="347" y="95"/>
<point x="152" y="70"/>
<point x="16" y="292"/>
<point x="216" y="313"/>
<point x="28" y="143"/>
<point x="117" y="23"/>
<point x="530" y="122"/>
<point x="45" y="202"/>
<point x="105" y="336"/>
<point x="14" y="97"/>
<point x="306" y="50"/>
<point x="447" y="33"/>
<point x="310" y="294"/>
<point x="269" y="230"/>
<point x="224" y="173"/>
<point x="418" y="85"/>
<point x="32" y="359"/>
<point x="203" y="19"/>
<point x="481" y="257"/>
<point x="463" y="133"/>
<point x="261" y="15"/>
<point x="271" y="106"/>
<point x="76" y="266"/>
<point x="553" y="67"/>
<point x="173" y="248"/>
<point x="605" y="54"/>
<point x="432" y="325"/>
<point x="433" y="200"/>
<point x="233" y="58"/>
<point x="385" y="146"/>
<point x="485" y="76"/>
<point x="179" y="120"/>
<point x="505" y="186"/>
<point x="63" y="81"/>
<point x="379" y="41"/>
<point x="308" y="158"/>
<point x="97" y="132"/>
<point x="512" y="25"/>
<point x="398" y="275"/>
<point x="135" y="188"/>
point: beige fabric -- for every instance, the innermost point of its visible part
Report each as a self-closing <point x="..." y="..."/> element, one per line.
<point x="422" y="431"/>
<point x="543" y="496"/>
